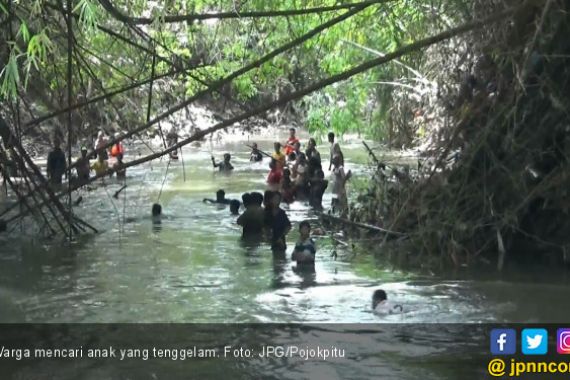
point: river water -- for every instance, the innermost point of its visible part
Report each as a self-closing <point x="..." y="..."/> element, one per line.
<point x="193" y="268"/>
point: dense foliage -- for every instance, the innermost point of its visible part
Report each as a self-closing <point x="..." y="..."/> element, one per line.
<point x="110" y="54"/>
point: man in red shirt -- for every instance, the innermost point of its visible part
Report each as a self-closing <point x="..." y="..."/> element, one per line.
<point x="274" y="177"/>
<point x="291" y="141"/>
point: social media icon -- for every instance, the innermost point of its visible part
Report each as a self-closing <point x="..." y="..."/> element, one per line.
<point x="534" y="341"/>
<point x="504" y="341"/>
<point x="563" y="341"/>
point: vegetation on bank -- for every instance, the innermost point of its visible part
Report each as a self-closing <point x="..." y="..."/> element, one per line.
<point x="492" y="186"/>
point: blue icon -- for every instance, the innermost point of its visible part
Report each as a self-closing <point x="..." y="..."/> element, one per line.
<point x="503" y="341"/>
<point x="534" y="341"/>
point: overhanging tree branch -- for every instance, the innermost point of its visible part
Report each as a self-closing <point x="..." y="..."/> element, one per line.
<point x="113" y="11"/>
<point x="217" y="85"/>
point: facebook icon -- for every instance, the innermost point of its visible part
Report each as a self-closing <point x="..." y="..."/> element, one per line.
<point x="503" y="341"/>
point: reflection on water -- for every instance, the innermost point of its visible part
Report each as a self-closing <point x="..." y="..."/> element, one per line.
<point x="192" y="265"/>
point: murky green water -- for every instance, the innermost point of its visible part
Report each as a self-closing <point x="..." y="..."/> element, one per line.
<point x="193" y="268"/>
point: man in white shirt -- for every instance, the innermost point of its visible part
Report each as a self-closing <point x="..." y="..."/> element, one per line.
<point x="335" y="151"/>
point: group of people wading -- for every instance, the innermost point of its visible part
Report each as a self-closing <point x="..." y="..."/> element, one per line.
<point x="57" y="164"/>
<point x="299" y="175"/>
<point x="293" y="175"/>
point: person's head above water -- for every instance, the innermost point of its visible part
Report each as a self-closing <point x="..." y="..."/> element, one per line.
<point x="331" y="137"/>
<point x="305" y="229"/>
<point x="292" y="156"/>
<point x="378" y="296"/>
<point x="246" y="199"/>
<point x="312" y="143"/>
<point x="256" y="198"/>
<point x="292" y="132"/>
<point x="254" y="145"/>
<point x="277" y="147"/>
<point x="234" y="206"/>
<point x="227" y="157"/>
<point x="156" y="209"/>
<point x="220" y="195"/>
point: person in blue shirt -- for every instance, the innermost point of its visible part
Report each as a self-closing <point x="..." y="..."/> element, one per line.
<point x="305" y="249"/>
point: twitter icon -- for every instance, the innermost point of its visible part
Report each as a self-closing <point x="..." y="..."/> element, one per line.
<point x="534" y="341"/>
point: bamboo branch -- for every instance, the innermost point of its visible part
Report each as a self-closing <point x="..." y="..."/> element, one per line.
<point x="360" y="225"/>
<point x="109" y="7"/>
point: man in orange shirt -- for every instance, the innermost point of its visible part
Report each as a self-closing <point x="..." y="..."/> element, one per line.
<point x="291" y="141"/>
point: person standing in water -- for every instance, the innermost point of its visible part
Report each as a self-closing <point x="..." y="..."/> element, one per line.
<point x="117" y="147"/>
<point x="234" y="207"/>
<point x="287" y="187"/>
<point x="100" y="144"/>
<point x="156" y="213"/>
<point x="252" y="219"/>
<point x="255" y="155"/>
<point x="305" y="249"/>
<point x="101" y="167"/>
<point x="224" y="166"/>
<point x="291" y="141"/>
<point x="278" y="155"/>
<point x="313" y="157"/>
<point x="83" y="167"/>
<point x="279" y="224"/>
<point x="335" y="151"/>
<point x="56" y="164"/>
<point x="274" y="176"/>
<point x="317" y="186"/>
<point x="340" y="177"/>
